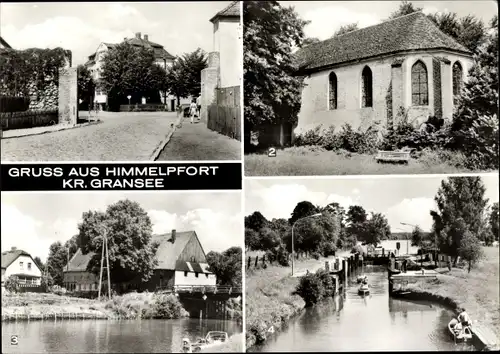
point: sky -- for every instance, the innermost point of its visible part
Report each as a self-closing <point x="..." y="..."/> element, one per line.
<point x="327" y="16"/>
<point x="180" y="27"/>
<point x="33" y="221"/>
<point x="406" y="199"/>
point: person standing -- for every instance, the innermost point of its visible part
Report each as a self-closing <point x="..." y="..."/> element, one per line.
<point x="192" y="110"/>
<point x="463" y="318"/>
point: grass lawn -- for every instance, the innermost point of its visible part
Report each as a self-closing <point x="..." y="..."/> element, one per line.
<point x="307" y="161"/>
<point x="477" y="291"/>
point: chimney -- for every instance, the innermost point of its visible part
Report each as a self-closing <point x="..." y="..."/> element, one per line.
<point x="172" y="238"/>
<point x="13" y="248"/>
<point x="138" y="35"/>
<point x="146" y="37"/>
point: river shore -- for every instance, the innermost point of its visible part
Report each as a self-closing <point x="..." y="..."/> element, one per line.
<point x="32" y="306"/>
<point x="478" y="291"/>
<point x="233" y="345"/>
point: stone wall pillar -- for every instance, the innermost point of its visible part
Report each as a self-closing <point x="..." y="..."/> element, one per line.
<point x="397" y="90"/>
<point x="68" y="96"/>
<point x="209" y="82"/>
<point x="446" y="90"/>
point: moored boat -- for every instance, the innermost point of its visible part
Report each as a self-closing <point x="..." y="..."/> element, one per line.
<point x="459" y="334"/>
<point x="361" y="278"/>
<point x="213" y="338"/>
<point x="364" y="289"/>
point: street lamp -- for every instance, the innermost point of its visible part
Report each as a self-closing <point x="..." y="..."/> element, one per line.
<point x="296" y="221"/>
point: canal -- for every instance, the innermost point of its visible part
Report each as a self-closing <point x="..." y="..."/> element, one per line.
<point x="350" y="322"/>
<point x="108" y="336"/>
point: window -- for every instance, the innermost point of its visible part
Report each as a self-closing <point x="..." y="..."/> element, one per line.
<point x="21" y="265"/>
<point x="367" y="88"/>
<point x="185" y="274"/>
<point x="457" y="78"/>
<point x="206" y="275"/>
<point x="332" y="92"/>
<point x="196" y="274"/>
<point x="29" y="265"/>
<point x="419" y="89"/>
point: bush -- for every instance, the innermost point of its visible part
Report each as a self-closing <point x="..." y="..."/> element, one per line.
<point x="328" y="249"/>
<point x="279" y="254"/>
<point x="58" y="290"/>
<point x="311" y="289"/>
<point x="315" y="255"/>
<point x="14" y="104"/>
<point x="167" y="307"/>
<point x="12" y="284"/>
<point x="327" y="282"/>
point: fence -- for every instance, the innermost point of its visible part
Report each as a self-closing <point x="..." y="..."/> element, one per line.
<point x="148" y="107"/>
<point x="261" y="262"/>
<point x="28" y="119"/>
<point x="224" y="116"/>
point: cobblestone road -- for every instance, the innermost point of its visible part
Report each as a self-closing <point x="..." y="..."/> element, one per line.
<point x="120" y="137"/>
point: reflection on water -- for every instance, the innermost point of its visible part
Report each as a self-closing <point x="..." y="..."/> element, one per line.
<point x="375" y="322"/>
<point x="104" y="336"/>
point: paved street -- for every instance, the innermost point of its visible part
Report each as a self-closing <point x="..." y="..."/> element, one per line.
<point x="120" y="137"/>
<point x="197" y="142"/>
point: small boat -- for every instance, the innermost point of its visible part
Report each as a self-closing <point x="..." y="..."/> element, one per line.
<point x="213" y="338"/>
<point x="364" y="289"/>
<point x="361" y="278"/>
<point x="459" y="335"/>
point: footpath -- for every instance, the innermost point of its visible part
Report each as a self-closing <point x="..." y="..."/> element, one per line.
<point x="196" y="142"/>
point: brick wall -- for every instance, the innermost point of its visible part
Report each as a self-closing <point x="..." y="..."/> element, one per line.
<point x="67" y="96"/>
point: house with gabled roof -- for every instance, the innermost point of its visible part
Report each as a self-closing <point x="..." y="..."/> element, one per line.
<point x="20" y="264"/>
<point x="181" y="261"/>
<point x="404" y="65"/>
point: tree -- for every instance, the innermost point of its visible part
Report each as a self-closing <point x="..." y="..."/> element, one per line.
<point x="346" y="29"/>
<point x="183" y="78"/>
<point x="86" y="84"/>
<point x="301" y="210"/>
<point x="256" y="221"/>
<point x="461" y="206"/>
<point x="470" y="249"/>
<point x="309" y="40"/>
<point x="57" y="261"/>
<point x="405" y="8"/>
<point x="271" y="90"/>
<point x="468" y="31"/>
<point x="132" y="254"/>
<point x="376" y="229"/>
<point x="226" y="266"/>
<point x="356" y="214"/>
<point x="39" y="263"/>
<point x="129" y="70"/>
<point x="312" y="235"/>
<point x="417" y="237"/>
<point x="493" y="220"/>
<point x="268" y="239"/>
<point x="252" y="239"/>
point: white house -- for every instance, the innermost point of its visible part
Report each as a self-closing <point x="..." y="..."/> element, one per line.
<point x="20" y="264"/>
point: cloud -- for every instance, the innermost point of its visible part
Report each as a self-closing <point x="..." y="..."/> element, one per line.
<point x="342" y="200"/>
<point x="217" y="231"/>
<point x="326" y="20"/>
<point x="414" y="211"/>
<point x="22" y="231"/>
<point x="65" y="228"/>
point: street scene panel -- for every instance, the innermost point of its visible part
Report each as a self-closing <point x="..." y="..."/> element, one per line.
<point x="370" y="88"/>
<point x="122" y="272"/>
<point x="120" y="81"/>
<point x="372" y="264"/>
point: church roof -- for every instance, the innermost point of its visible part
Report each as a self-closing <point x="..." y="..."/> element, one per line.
<point x="233" y="10"/>
<point x="406" y="33"/>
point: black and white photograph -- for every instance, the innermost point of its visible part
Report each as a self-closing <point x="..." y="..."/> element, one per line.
<point x="372" y="264"/>
<point x="120" y="81"/>
<point x="370" y="87"/>
<point x="122" y="272"/>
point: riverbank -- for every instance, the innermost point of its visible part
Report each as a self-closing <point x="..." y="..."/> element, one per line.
<point x="478" y="291"/>
<point x="269" y="302"/>
<point x="32" y="306"/>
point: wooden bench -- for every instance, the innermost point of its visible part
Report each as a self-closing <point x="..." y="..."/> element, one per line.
<point x="393" y="156"/>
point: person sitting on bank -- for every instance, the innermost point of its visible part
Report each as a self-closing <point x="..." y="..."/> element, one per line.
<point x="463" y="318"/>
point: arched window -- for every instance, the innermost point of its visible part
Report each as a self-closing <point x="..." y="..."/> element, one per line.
<point x="332" y="79"/>
<point x="366" y="88"/>
<point x="419" y="86"/>
<point x="457" y="78"/>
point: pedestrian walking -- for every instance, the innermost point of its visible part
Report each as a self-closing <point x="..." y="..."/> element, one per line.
<point x="192" y="110"/>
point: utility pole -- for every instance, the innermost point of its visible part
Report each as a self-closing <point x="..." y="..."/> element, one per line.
<point x="104" y="250"/>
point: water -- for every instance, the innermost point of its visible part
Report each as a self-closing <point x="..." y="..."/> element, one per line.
<point x="376" y="322"/>
<point x="101" y="336"/>
<point x="405" y="246"/>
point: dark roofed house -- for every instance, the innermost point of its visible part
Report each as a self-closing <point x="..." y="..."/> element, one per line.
<point x="231" y="11"/>
<point x="181" y="261"/>
<point x="20" y="264"/>
<point x="374" y="73"/>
